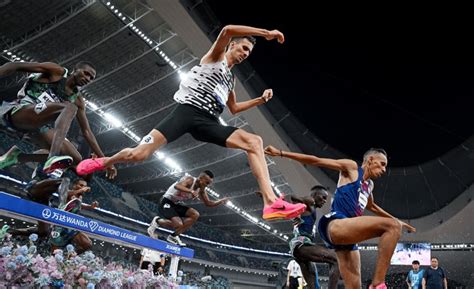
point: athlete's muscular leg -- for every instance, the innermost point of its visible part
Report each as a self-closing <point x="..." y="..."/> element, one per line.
<point x="320" y="254"/>
<point x="42" y="190"/>
<point x="32" y="117"/>
<point x="191" y="217"/>
<point x="173" y="223"/>
<point x="82" y="243"/>
<point x="359" y="229"/>
<point x="45" y="140"/>
<point x="308" y="273"/>
<point x="349" y="265"/>
<point x="139" y="153"/>
<point x="253" y="145"/>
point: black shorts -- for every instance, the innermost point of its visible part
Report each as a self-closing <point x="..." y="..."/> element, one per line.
<point x="30" y="196"/>
<point x="200" y="124"/>
<point x="294" y="284"/>
<point x="168" y="209"/>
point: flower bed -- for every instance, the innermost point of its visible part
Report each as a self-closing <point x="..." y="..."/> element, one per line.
<point x="22" y="266"/>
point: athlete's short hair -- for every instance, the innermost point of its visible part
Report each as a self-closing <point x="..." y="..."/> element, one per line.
<point x="318" y="189"/>
<point x="252" y="39"/>
<point x="83" y="64"/>
<point x="209" y="173"/>
<point x="373" y="151"/>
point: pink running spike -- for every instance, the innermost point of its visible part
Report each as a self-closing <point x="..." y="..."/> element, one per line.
<point x="90" y="165"/>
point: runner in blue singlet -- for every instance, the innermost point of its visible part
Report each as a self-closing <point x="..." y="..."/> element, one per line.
<point x="345" y="226"/>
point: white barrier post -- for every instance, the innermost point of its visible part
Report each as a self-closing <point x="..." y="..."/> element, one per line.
<point x="173" y="273"/>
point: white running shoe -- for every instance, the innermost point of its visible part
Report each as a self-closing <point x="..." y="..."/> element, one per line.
<point x="153" y="226"/>
<point x="175" y="240"/>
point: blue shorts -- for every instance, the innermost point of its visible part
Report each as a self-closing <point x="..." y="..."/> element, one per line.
<point x="323" y="232"/>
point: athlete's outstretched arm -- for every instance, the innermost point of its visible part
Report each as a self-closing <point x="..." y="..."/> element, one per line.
<point x="77" y="193"/>
<point x="297" y="199"/>
<point x="308" y="201"/>
<point x="343" y="165"/>
<point x="216" y="53"/>
<point x="236" y="107"/>
<point x="376" y="209"/>
<point x="205" y="199"/>
<point x="92" y="206"/>
<point x="89" y="136"/>
<point x="48" y="68"/>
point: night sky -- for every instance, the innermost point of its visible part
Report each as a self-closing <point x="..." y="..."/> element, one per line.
<point x="358" y="79"/>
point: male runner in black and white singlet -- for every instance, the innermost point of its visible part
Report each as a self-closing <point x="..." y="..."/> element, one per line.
<point x="201" y="98"/>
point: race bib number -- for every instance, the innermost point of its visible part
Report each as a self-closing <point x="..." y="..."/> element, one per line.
<point x="363" y="200"/>
<point x="40" y="107"/>
<point x="221" y="93"/>
<point x="148" y="139"/>
<point x="57" y="173"/>
<point x="45" y="97"/>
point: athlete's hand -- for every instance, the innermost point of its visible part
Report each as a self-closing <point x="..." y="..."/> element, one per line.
<point x="267" y="95"/>
<point x="95" y="204"/>
<point x="223" y="200"/>
<point x="111" y="172"/>
<point x="272" y="151"/>
<point x="408" y="227"/>
<point x="275" y="34"/>
<point x="83" y="190"/>
<point x="195" y="193"/>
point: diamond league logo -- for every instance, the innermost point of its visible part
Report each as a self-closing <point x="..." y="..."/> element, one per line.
<point x="93" y="225"/>
<point x="46" y="213"/>
<point x="173" y="248"/>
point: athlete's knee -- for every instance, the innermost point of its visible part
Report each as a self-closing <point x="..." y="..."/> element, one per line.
<point x="76" y="156"/>
<point x="254" y="143"/>
<point x="177" y="223"/>
<point x="62" y="107"/>
<point x="393" y="226"/>
<point x="332" y="258"/>
<point x="70" y="107"/>
<point x="195" y="215"/>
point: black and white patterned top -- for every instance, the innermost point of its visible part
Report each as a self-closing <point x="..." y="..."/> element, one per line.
<point x="207" y="86"/>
